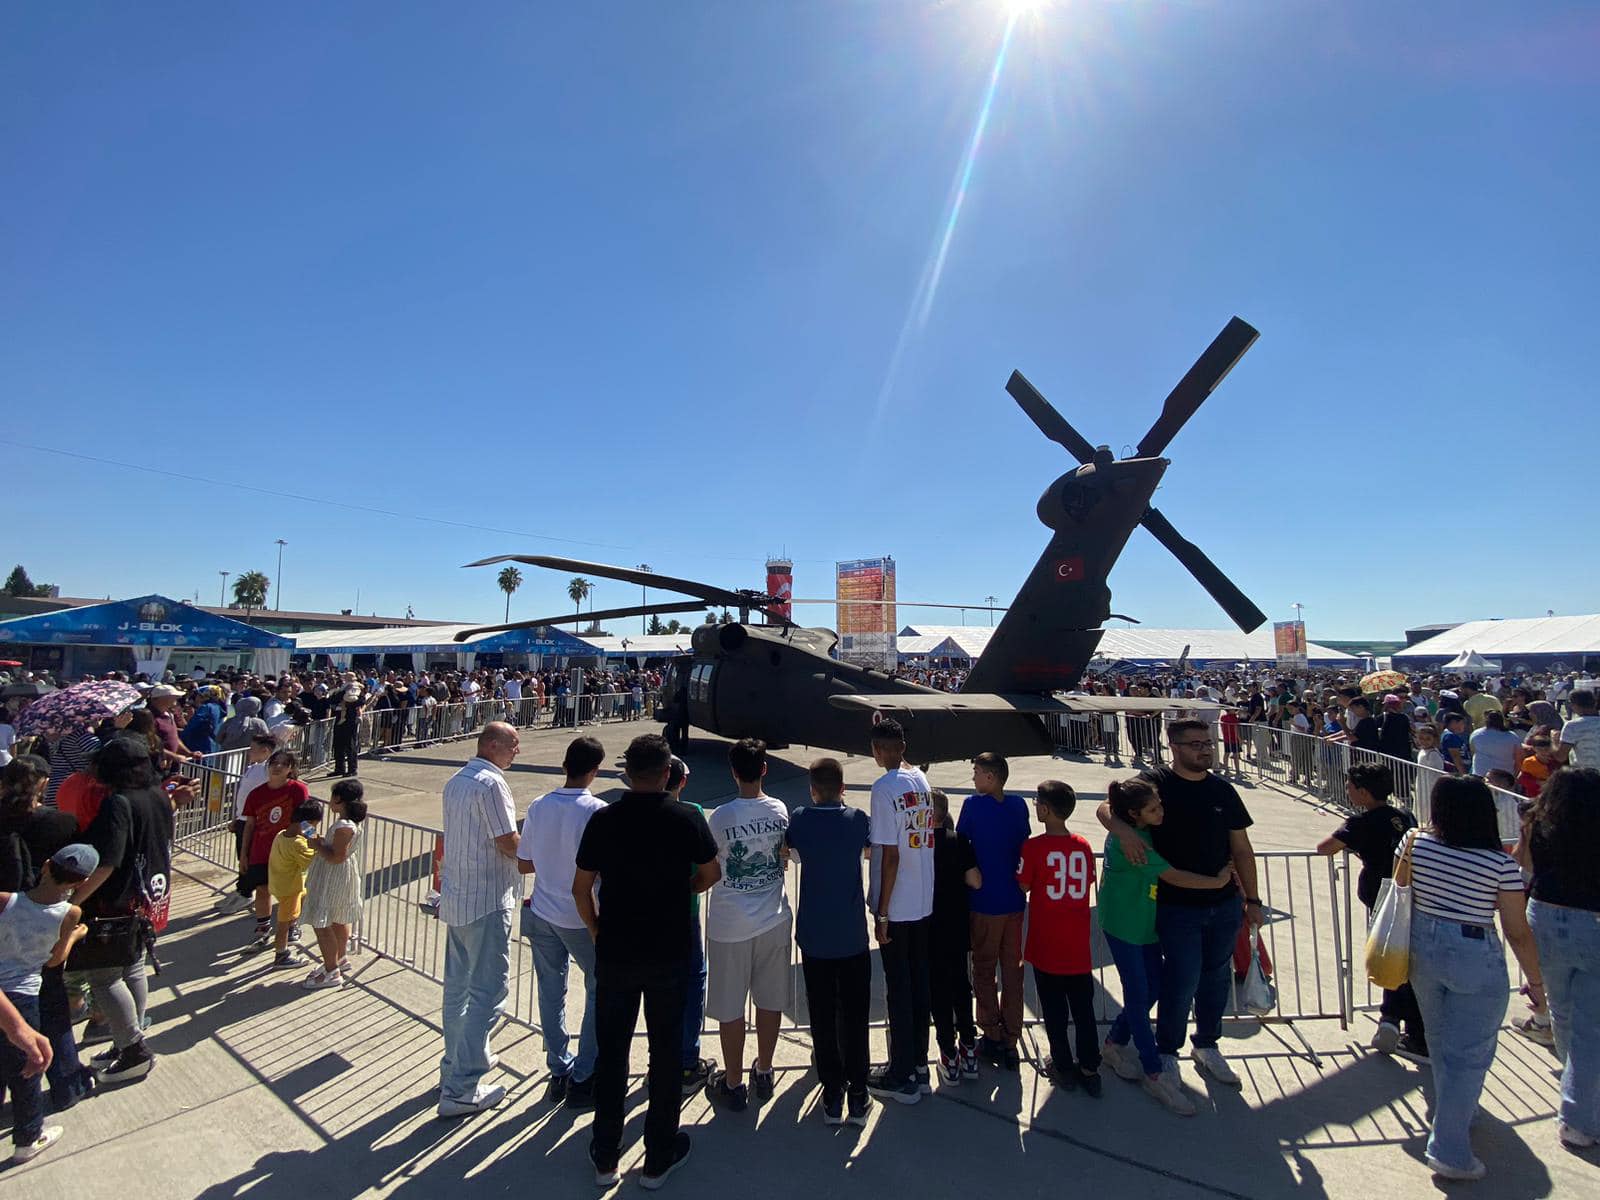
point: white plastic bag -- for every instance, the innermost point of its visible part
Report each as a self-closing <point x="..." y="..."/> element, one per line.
<point x="1256" y="994"/>
<point x="1389" y="938"/>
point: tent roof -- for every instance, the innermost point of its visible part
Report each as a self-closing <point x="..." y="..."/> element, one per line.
<point x="1574" y="636"/>
<point x="437" y="639"/>
<point x="648" y="645"/>
<point x="152" y="620"/>
<point x="1156" y="645"/>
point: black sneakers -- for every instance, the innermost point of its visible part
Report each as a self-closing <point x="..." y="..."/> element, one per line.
<point x="605" y="1173"/>
<point x="133" y="1063"/>
<point x="766" y="1083"/>
<point x="695" y="1077"/>
<point x="734" y="1099"/>
<point x="654" y="1177"/>
<point x="886" y="1085"/>
<point x="555" y="1091"/>
<point x="832" y="1107"/>
<point x="859" y="1105"/>
<point x="580" y="1094"/>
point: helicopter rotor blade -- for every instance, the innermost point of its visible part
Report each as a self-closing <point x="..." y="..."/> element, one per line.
<point x="650" y="579"/>
<point x="1210" y="369"/>
<point x="569" y="618"/>
<point x="908" y="604"/>
<point x="1223" y="590"/>
<point x="1051" y="423"/>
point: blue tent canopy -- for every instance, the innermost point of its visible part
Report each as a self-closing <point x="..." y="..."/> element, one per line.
<point x="440" y="639"/>
<point x="143" y="621"/>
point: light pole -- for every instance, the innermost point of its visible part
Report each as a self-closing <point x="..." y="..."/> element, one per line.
<point x="989" y="600"/>
<point x="277" y="584"/>
<point x="644" y="600"/>
<point x="222" y="597"/>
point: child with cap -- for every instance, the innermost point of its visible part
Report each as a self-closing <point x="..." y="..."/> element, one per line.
<point x="37" y="929"/>
<point x="291" y="855"/>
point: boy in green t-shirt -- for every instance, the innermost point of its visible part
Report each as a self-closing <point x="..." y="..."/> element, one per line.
<point x="1127" y="906"/>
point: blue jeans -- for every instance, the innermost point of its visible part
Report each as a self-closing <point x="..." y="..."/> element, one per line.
<point x="477" y="964"/>
<point x="27" y="1097"/>
<point x="1459" y="975"/>
<point x="694" y="1005"/>
<point x="1139" y="968"/>
<point x="553" y="945"/>
<point x="1569" y="956"/>
<point x="1196" y="969"/>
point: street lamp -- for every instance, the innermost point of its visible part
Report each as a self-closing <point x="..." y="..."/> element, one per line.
<point x="644" y="601"/>
<point x="222" y="598"/>
<point x="989" y="600"/>
<point x="277" y="585"/>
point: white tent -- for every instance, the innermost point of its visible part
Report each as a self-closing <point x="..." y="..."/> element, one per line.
<point x="1470" y="662"/>
<point x="1543" y="641"/>
<point x="1157" y="645"/>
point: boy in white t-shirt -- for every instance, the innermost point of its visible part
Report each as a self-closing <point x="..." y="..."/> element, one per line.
<point x="901" y="900"/>
<point x="548" y="850"/>
<point x="255" y="774"/>
<point x="748" y="924"/>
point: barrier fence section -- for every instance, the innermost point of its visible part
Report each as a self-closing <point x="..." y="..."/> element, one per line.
<point x="1136" y="736"/>
<point x="1305" y="933"/>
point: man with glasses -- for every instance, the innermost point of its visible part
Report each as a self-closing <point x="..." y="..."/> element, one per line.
<point x="1203" y="829"/>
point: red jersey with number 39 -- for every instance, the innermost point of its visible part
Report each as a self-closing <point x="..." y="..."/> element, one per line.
<point x="1057" y="871"/>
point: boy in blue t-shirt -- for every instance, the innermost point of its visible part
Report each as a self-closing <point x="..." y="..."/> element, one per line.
<point x="996" y="823"/>
<point x="830" y="841"/>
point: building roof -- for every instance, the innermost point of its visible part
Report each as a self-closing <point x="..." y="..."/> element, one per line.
<point x="648" y="645"/>
<point x="440" y="639"/>
<point x="1573" y="637"/>
<point x="1155" y="645"/>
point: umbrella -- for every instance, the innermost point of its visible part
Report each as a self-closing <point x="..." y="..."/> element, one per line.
<point x="10" y="662"/>
<point x="1383" y="681"/>
<point x="76" y="708"/>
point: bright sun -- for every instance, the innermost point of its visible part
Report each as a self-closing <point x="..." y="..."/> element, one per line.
<point x="1021" y="8"/>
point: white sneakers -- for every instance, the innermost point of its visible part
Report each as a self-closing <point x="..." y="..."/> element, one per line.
<point x="1165" y="1089"/>
<point x="1576" y="1139"/>
<point x="322" y="979"/>
<point x="1209" y="1059"/>
<point x="1386" y="1037"/>
<point x="1124" y="1060"/>
<point x="1476" y="1171"/>
<point x="48" y="1136"/>
<point x="481" y="1101"/>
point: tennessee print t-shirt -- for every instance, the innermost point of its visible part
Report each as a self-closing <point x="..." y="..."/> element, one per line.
<point x="749" y="898"/>
<point x="1057" y="870"/>
<point x="902" y="815"/>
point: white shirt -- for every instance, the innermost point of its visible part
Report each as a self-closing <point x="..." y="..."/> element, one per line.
<point x="469" y="691"/>
<point x="8" y="737"/>
<point x="476" y="879"/>
<point x="749" y="899"/>
<point x="1583" y="735"/>
<point x="902" y="815"/>
<point x="1494" y="750"/>
<point x="255" y="774"/>
<point x="550" y="835"/>
<point x="513" y="691"/>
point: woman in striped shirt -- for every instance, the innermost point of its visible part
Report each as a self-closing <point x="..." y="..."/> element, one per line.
<point x="1460" y="877"/>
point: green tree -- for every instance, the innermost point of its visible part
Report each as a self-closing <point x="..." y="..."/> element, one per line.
<point x="250" y="590"/>
<point x="675" y="626"/>
<point x="510" y="580"/>
<point x="578" y="589"/>
<point x="656" y="627"/>
<point x="18" y="584"/>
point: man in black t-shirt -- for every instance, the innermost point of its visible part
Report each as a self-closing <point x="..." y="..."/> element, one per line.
<point x="1203" y="830"/>
<point x="649" y="852"/>
<point x="1361" y="728"/>
<point x="1372" y="834"/>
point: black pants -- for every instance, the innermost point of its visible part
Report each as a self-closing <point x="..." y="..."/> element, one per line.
<point x="950" y="987"/>
<point x="905" y="980"/>
<point x="618" y="991"/>
<point x="344" y="749"/>
<point x="1058" y="993"/>
<point x="838" y="992"/>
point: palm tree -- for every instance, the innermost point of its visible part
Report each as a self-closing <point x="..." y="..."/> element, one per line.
<point x="250" y="591"/>
<point x="510" y="581"/>
<point x="577" y="589"/>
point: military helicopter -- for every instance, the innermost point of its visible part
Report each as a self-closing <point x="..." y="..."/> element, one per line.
<point x="778" y="681"/>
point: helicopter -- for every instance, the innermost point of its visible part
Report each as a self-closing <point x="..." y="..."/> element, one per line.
<point x="778" y="681"/>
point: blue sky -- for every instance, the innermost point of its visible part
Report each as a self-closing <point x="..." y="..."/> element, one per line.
<point x="651" y="283"/>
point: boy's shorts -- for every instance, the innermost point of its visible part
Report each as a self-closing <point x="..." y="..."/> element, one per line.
<point x="253" y="876"/>
<point x="757" y="967"/>
<point x="289" y="908"/>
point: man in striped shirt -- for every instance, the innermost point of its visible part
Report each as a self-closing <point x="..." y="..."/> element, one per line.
<point x="479" y="887"/>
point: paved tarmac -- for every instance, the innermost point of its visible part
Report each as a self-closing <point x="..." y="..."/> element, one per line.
<point x="263" y="1088"/>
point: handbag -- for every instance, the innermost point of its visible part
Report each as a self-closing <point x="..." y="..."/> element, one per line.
<point x="1257" y="995"/>
<point x="110" y="942"/>
<point x="1389" y="938"/>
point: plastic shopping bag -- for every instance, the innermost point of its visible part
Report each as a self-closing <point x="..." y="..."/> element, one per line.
<point x="1256" y="994"/>
<point x="1389" y="938"/>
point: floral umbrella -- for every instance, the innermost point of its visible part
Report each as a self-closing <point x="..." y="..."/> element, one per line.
<point x="76" y="708"/>
<point x="1383" y="681"/>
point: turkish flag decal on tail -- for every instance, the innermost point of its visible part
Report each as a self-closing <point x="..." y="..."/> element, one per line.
<point x="1069" y="570"/>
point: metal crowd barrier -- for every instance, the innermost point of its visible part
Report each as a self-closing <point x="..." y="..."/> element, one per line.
<point x="1138" y="737"/>
<point x="1306" y="934"/>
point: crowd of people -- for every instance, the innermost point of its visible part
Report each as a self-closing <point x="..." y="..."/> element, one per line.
<point x="959" y="904"/>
